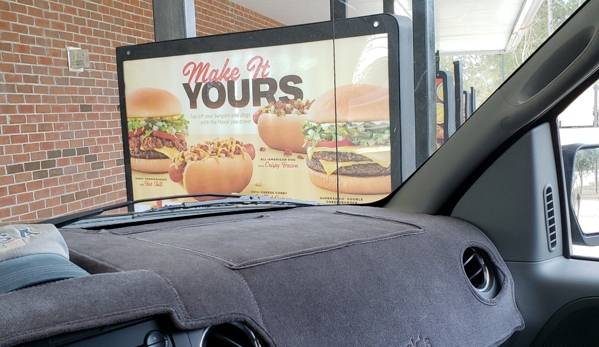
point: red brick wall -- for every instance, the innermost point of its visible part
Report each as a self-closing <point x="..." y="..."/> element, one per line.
<point x="60" y="135"/>
<point x="222" y="16"/>
<point x="60" y="144"/>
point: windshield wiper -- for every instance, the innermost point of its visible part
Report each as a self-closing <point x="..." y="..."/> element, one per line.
<point x="242" y="201"/>
<point x="222" y="200"/>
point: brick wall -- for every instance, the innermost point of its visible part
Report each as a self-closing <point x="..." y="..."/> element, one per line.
<point x="60" y="135"/>
<point x="60" y="145"/>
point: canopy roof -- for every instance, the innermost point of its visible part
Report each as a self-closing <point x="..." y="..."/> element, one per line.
<point x="462" y="26"/>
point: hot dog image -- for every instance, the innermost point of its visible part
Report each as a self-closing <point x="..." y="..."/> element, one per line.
<point x="280" y="124"/>
<point x="219" y="166"/>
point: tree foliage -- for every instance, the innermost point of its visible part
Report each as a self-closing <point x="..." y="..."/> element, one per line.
<point x="586" y="160"/>
<point x="487" y="72"/>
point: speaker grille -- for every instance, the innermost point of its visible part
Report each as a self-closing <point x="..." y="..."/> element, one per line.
<point x="578" y="329"/>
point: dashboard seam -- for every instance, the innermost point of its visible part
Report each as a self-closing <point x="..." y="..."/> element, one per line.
<point x="247" y="286"/>
<point x="318" y="250"/>
<point x="95" y="260"/>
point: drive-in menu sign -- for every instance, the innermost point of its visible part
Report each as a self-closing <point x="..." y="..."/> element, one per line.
<point x="281" y="121"/>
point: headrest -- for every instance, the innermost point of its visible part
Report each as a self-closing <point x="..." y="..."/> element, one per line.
<point x="32" y="254"/>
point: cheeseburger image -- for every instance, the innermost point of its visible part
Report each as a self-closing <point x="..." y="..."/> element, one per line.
<point x="353" y="155"/>
<point x="156" y="127"/>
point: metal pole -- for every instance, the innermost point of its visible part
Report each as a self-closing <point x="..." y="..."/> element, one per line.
<point x="173" y="19"/>
<point x="389" y="6"/>
<point x="459" y="96"/>
<point x="596" y="160"/>
<point x="595" y="110"/>
<point x="338" y="9"/>
<point x="502" y="67"/>
<point x="424" y="78"/>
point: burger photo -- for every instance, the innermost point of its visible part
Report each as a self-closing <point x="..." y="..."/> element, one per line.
<point x="280" y="124"/>
<point x="354" y="154"/>
<point x="156" y="129"/>
<point x="440" y="120"/>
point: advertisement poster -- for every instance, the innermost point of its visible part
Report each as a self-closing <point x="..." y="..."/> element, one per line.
<point x="446" y="116"/>
<point x="279" y="121"/>
<point x="440" y="107"/>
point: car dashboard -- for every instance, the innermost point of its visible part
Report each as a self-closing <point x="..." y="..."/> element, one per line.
<point x="307" y="276"/>
<point x="156" y="332"/>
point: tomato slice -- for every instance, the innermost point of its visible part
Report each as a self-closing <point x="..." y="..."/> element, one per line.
<point x="331" y="144"/>
<point x="164" y="135"/>
<point x="136" y="132"/>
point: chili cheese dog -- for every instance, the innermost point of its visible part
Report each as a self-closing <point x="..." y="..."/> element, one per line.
<point x="219" y="166"/>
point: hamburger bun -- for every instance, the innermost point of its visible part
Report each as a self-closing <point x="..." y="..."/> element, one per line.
<point x="354" y="103"/>
<point x="152" y="102"/>
<point x="153" y="153"/>
<point x="153" y="166"/>
<point x="354" y="156"/>
<point x="351" y="184"/>
<point x="282" y="132"/>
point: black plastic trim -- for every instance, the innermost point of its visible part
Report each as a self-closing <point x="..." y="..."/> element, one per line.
<point x="578" y="237"/>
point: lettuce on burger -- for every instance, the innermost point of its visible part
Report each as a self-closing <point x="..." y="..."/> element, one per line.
<point x="351" y="153"/>
<point x="156" y="129"/>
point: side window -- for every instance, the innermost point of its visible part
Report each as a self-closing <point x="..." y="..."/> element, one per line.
<point x="579" y="137"/>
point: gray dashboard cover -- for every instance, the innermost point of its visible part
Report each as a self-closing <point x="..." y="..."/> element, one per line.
<point x="312" y="276"/>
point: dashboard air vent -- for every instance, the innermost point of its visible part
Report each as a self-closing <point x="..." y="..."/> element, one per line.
<point x="483" y="276"/>
<point x="229" y="335"/>
<point x="550" y="217"/>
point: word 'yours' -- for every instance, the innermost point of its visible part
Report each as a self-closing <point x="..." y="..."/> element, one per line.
<point x="216" y="86"/>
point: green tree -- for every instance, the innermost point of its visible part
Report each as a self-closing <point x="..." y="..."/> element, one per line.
<point x="586" y="160"/>
<point x="487" y="72"/>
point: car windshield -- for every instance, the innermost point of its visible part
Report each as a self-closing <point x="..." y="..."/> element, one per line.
<point x="104" y="102"/>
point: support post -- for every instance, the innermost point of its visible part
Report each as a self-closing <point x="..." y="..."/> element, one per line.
<point x="459" y="96"/>
<point x="595" y="110"/>
<point x="389" y="6"/>
<point x="338" y="9"/>
<point x="173" y="19"/>
<point x="473" y="99"/>
<point x="424" y="78"/>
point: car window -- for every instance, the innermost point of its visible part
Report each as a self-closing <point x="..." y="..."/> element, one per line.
<point x="62" y="148"/>
<point x="578" y="126"/>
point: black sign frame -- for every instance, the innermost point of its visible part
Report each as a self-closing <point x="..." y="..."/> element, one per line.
<point x="400" y="61"/>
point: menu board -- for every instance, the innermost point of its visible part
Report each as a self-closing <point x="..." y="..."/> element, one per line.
<point x="440" y="111"/>
<point x="285" y="121"/>
<point x="445" y="107"/>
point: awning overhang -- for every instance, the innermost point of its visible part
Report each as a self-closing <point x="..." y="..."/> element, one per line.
<point x="462" y="26"/>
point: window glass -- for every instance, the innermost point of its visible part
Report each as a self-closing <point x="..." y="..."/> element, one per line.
<point x="62" y="149"/>
<point x="578" y="125"/>
<point x="486" y="72"/>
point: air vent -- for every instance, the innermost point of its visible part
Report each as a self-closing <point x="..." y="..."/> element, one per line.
<point x="483" y="276"/>
<point x="229" y="335"/>
<point x="550" y="217"/>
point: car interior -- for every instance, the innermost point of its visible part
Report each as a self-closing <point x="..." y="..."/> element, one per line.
<point x="475" y="248"/>
<point x="508" y="174"/>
